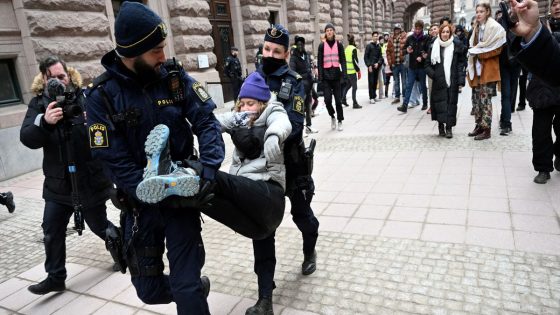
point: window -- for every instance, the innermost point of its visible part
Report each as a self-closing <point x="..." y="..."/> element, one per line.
<point x="9" y="87"/>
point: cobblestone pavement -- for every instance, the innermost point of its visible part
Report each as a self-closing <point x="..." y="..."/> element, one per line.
<point x="410" y="224"/>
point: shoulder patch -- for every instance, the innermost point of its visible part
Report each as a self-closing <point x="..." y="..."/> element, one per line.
<point x="299" y="104"/>
<point x="294" y="74"/>
<point x="98" y="136"/>
<point x="200" y="91"/>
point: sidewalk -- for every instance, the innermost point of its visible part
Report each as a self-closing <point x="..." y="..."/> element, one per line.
<point x="411" y="223"/>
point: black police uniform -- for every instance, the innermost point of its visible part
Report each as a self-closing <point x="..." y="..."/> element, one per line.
<point x="118" y="139"/>
<point x="232" y="69"/>
<point x="302" y="214"/>
<point x="93" y="185"/>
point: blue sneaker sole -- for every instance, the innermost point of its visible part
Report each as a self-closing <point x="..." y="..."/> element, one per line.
<point x="155" y="189"/>
<point x="155" y="145"/>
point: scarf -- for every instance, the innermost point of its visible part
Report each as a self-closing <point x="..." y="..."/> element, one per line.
<point x="448" y="48"/>
<point x="494" y="37"/>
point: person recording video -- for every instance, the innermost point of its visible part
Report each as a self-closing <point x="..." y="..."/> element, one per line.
<point x="535" y="48"/>
<point x="55" y="122"/>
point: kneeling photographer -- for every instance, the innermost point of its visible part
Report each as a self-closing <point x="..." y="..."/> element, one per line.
<point x="74" y="183"/>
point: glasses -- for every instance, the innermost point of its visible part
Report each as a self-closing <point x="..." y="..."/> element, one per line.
<point x="60" y="77"/>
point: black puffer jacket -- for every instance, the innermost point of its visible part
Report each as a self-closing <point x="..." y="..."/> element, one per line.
<point x="443" y="101"/>
<point x="93" y="185"/>
<point x="540" y="94"/>
<point x="300" y="63"/>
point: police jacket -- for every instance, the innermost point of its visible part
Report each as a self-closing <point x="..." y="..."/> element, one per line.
<point x="419" y="46"/>
<point x="232" y="67"/>
<point x="373" y="55"/>
<point x="275" y="122"/>
<point x="118" y="130"/>
<point x="35" y="133"/>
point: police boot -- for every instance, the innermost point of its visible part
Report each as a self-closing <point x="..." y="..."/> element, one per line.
<point x="262" y="307"/>
<point x="309" y="263"/>
<point x="46" y="286"/>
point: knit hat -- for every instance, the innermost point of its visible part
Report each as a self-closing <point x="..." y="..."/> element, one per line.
<point x="397" y="26"/>
<point x="255" y="87"/>
<point x="137" y="29"/>
<point x="329" y="25"/>
<point x="278" y="34"/>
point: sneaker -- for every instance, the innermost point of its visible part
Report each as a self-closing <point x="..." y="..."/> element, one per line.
<point x="181" y="182"/>
<point x="333" y="123"/>
<point x="356" y="106"/>
<point x="372" y="101"/>
<point x="340" y="126"/>
<point x="262" y="307"/>
<point x="308" y="129"/>
<point x="396" y="101"/>
<point x="157" y="152"/>
<point x="402" y="108"/>
<point x="46" y="286"/>
<point x="542" y="178"/>
<point x="412" y="105"/>
<point x="505" y="131"/>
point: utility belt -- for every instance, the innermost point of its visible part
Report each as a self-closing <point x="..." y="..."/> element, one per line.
<point x="126" y="254"/>
<point x="299" y="166"/>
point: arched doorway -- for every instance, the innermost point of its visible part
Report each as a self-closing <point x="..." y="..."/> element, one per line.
<point x="409" y="15"/>
<point x="437" y="9"/>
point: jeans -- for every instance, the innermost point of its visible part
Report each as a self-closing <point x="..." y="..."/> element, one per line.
<point x="413" y="75"/>
<point x="398" y="73"/>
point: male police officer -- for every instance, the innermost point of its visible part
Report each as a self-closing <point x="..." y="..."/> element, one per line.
<point x="63" y="137"/>
<point x="137" y="92"/>
<point x="232" y="69"/>
<point x="288" y="87"/>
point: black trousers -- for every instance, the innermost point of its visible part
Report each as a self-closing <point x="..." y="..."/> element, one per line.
<point x="333" y="88"/>
<point x="251" y="208"/>
<point x="352" y="83"/>
<point x="522" y="88"/>
<point x="307" y="87"/>
<point x="236" y="87"/>
<point x="55" y="220"/>
<point x="544" y="148"/>
<point x="373" y="77"/>
<point x="264" y="250"/>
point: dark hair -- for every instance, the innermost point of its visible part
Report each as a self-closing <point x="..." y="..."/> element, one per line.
<point x="374" y="32"/>
<point x="445" y="19"/>
<point x="50" y="61"/>
<point x="351" y="40"/>
<point x="419" y="24"/>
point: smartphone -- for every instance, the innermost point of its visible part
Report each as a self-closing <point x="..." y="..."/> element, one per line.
<point x="509" y="19"/>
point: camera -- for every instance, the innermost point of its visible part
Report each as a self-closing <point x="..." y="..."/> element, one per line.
<point x="65" y="98"/>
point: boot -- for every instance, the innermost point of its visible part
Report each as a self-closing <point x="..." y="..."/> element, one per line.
<point x="476" y="131"/>
<point x="7" y="199"/>
<point x="309" y="264"/>
<point x="402" y="108"/>
<point x="46" y="286"/>
<point x="542" y="178"/>
<point x="448" y="132"/>
<point x="441" y="128"/>
<point x="485" y="134"/>
<point x="262" y="307"/>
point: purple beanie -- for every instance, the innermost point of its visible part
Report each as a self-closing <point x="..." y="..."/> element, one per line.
<point x="254" y="87"/>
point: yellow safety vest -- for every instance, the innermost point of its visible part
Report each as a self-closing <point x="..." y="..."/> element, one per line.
<point x="349" y="63"/>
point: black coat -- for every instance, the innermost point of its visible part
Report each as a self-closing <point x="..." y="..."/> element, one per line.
<point x="540" y="94"/>
<point x="93" y="185"/>
<point x="301" y="65"/>
<point x="443" y="99"/>
<point x="373" y="54"/>
<point x="419" y="46"/>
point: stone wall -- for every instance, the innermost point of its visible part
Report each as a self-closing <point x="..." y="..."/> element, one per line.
<point x="255" y="23"/>
<point x="336" y="18"/>
<point x="76" y="30"/>
<point x="299" y="22"/>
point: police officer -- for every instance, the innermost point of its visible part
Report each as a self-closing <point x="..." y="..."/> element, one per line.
<point x="232" y="69"/>
<point x="288" y="87"/>
<point x="61" y="133"/>
<point x="138" y="91"/>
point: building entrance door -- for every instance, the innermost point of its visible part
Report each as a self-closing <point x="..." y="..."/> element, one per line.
<point x="222" y="33"/>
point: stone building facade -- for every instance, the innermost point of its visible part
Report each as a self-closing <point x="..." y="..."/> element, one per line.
<point x="201" y="34"/>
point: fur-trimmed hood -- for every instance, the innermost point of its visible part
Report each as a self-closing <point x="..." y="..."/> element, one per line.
<point x="38" y="84"/>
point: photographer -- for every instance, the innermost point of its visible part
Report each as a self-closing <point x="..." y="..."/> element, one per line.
<point x="60" y="131"/>
<point x="537" y="50"/>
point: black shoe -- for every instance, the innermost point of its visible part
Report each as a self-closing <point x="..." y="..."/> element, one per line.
<point x="402" y="108"/>
<point x="520" y="107"/>
<point x="46" y="286"/>
<point x="205" y="285"/>
<point x="356" y="105"/>
<point x="309" y="264"/>
<point x="448" y="133"/>
<point x="9" y="201"/>
<point x="504" y="131"/>
<point x="542" y="178"/>
<point x="557" y="163"/>
<point x="441" y="129"/>
<point x="262" y="307"/>
<point x="345" y="104"/>
<point x="424" y="107"/>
